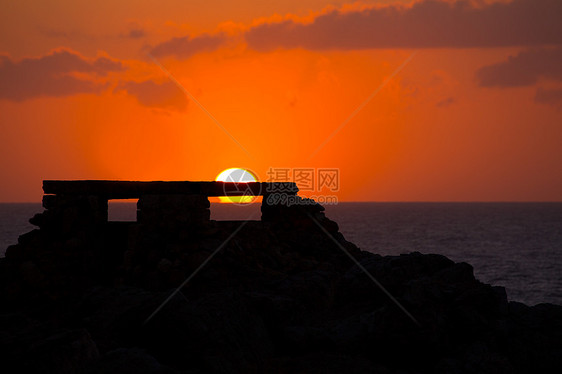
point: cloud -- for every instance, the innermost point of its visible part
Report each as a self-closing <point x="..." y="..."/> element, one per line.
<point x="53" y="32"/>
<point x="524" y="69"/>
<point x="156" y="95"/>
<point x="549" y="96"/>
<point x="424" y="24"/>
<point x="136" y="33"/>
<point x="527" y="68"/>
<point x="446" y="102"/>
<point x="52" y="75"/>
<point x="184" y="47"/>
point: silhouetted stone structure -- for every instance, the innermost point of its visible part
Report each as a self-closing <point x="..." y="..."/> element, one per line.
<point x="173" y="230"/>
<point x="72" y="204"/>
<point x="278" y="295"/>
<point x="134" y="189"/>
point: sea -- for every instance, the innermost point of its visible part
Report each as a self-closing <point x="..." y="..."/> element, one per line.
<point x="514" y="245"/>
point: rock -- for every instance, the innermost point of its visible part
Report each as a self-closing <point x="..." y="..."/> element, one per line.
<point x="164" y="265"/>
<point x="325" y="363"/>
<point x="128" y="361"/>
<point x="281" y="295"/>
<point x="67" y="352"/>
<point x="32" y="275"/>
<point x="219" y="332"/>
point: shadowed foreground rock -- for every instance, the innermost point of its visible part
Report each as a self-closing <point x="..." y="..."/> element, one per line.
<point x="280" y="297"/>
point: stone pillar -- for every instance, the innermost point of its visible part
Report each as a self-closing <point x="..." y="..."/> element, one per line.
<point x="279" y="207"/>
<point x="70" y="214"/>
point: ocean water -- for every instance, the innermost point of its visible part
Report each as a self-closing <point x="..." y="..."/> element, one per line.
<point x="515" y="245"/>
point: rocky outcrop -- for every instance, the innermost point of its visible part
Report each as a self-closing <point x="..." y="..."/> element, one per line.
<point x="287" y="294"/>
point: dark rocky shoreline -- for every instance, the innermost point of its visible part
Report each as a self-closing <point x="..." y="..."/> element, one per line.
<point x="281" y="296"/>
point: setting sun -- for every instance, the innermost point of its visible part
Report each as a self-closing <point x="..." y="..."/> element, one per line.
<point x="236" y="175"/>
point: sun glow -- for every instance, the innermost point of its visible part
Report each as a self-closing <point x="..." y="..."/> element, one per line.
<point x="236" y="175"/>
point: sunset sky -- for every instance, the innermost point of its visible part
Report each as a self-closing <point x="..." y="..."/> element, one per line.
<point x="466" y="96"/>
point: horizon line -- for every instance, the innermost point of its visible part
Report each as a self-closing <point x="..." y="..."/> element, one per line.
<point x="363" y="201"/>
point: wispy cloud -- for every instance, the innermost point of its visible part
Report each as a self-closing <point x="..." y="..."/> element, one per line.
<point x="446" y="102"/>
<point x="136" y="33"/>
<point x="53" y="74"/>
<point x="425" y="24"/>
<point x="164" y="95"/>
<point x="549" y="96"/>
<point x="524" y="69"/>
<point x="184" y="47"/>
<point x="533" y="67"/>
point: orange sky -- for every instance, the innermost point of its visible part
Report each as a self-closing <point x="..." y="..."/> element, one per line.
<point x="476" y="115"/>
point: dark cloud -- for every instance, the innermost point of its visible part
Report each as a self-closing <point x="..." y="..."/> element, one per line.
<point x="151" y="94"/>
<point x="53" y="32"/>
<point x="425" y="24"/>
<point x="524" y="69"/>
<point x="184" y="47"/>
<point x="549" y="96"/>
<point x="446" y="102"/>
<point x="527" y="68"/>
<point x="104" y="65"/>
<point x="52" y="75"/>
<point x="136" y="33"/>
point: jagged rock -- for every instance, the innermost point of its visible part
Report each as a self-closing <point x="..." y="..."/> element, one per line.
<point x="32" y="275"/>
<point x="128" y="361"/>
<point x="34" y="347"/>
<point x="286" y="294"/>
